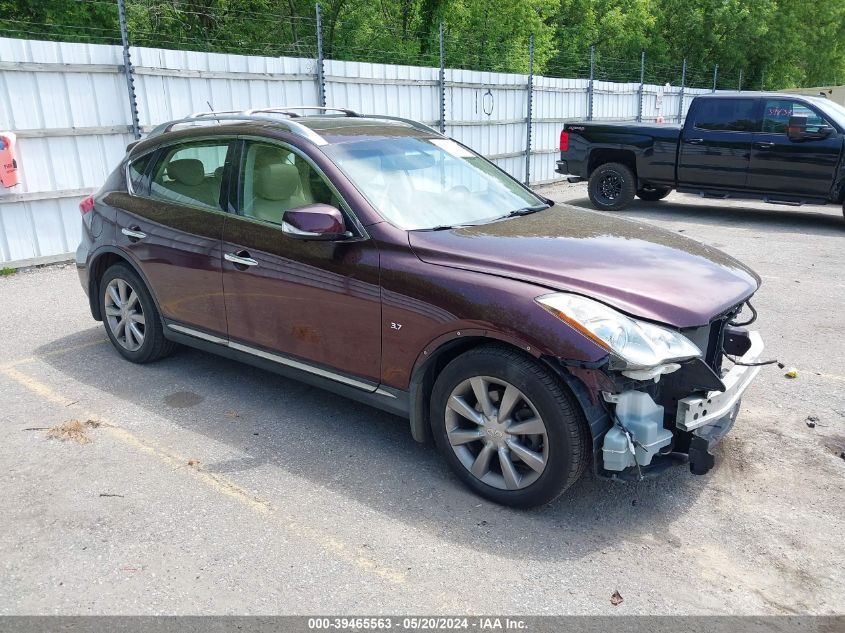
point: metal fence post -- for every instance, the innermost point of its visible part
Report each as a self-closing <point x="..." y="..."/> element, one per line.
<point x="530" y="109"/>
<point x="128" y="71"/>
<point x="590" y="87"/>
<point x="715" y="76"/>
<point x="321" y="79"/>
<point x="442" y="80"/>
<point x="681" y="94"/>
<point x="642" y="87"/>
<point x="739" y="87"/>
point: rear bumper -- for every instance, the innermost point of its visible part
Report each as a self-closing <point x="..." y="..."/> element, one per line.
<point x="82" y="264"/>
<point x="572" y="168"/>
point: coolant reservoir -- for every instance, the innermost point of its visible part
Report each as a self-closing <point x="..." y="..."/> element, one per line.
<point x="644" y="420"/>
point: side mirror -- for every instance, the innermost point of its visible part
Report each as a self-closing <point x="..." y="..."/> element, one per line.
<point x="315" y="222"/>
<point x="797" y="128"/>
<point x="825" y="131"/>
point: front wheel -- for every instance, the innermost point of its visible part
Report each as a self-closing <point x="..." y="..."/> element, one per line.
<point x="653" y="194"/>
<point x="507" y="427"/>
<point x="612" y="187"/>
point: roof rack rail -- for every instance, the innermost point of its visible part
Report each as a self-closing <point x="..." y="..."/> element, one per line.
<point x="236" y="115"/>
<point x="266" y="115"/>
<point x="415" y="124"/>
<point x="287" y="110"/>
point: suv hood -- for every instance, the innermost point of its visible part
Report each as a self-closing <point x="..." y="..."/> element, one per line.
<point x="643" y="271"/>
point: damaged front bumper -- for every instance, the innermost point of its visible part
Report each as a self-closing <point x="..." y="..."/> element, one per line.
<point x="698" y="423"/>
<point x="695" y="412"/>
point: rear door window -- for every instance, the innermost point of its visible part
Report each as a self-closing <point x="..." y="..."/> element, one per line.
<point x="777" y="112"/>
<point x="191" y="174"/>
<point x="727" y="115"/>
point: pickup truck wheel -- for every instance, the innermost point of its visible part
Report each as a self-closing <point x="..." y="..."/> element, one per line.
<point x="653" y="194"/>
<point x="612" y="187"/>
<point x="509" y="429"/>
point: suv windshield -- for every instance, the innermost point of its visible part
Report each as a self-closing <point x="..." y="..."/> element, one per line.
<point x="426" y="183"/>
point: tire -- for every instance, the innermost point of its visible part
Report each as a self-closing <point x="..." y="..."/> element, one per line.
<point x="120" y="284"/>
<point x="564" y="445"/>
<point x="653" y="194"/>
<point x="612" y="187"/>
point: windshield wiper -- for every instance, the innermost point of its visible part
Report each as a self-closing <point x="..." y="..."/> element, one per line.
<point x="509" y="214"/>
<point x="526" y="210"/>
<point x="445" y="227"/>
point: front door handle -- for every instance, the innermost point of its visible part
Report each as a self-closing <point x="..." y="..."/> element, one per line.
<point x="241" y="258"/>
<point x="133" y="233"/>
<point x="694" y="141"/>
<point x="764" y="145"/>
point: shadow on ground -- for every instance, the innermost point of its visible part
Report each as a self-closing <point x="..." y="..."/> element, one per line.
<point x="361" y="453"/>
<point x="772" y="219"/>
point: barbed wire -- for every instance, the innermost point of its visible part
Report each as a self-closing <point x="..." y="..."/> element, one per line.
<point x="187" y="25"/>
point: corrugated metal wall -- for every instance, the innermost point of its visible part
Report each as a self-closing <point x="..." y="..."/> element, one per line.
<point x="69" y="106"/>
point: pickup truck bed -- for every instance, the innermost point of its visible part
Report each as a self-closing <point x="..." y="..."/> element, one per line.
<point x="779" y="148"/>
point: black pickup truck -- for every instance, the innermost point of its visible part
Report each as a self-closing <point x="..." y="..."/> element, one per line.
<point x="779" y="148"/>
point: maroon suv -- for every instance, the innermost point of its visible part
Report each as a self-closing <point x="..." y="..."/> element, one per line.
<point x="377" y="258"/>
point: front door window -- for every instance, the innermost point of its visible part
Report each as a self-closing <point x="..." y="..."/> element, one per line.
<point x="276" y="179"/>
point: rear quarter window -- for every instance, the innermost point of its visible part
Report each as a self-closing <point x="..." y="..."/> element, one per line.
<point x="137" y="172"/>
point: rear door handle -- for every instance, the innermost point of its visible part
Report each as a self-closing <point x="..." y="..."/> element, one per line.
<point x="241" y="258"/>
<point x="764" y="145"/>
<point x="694" y="141"/>
<point x="133" y="233"/>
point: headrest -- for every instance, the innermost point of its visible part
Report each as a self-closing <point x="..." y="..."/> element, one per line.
<point x="267" y="155"/>
<point x="276" y="182"/>
<point x="187" y="171"/>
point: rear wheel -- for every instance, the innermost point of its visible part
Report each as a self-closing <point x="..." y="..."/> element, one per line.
<point x="612" y="187"/>
<point x="130" y="316"/>
<point x="507" y="427"/>
<point x="653" y="194"/>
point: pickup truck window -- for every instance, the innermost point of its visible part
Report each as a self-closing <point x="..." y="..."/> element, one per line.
<point x="776" y="113"/>
<point x="730" y="115"/>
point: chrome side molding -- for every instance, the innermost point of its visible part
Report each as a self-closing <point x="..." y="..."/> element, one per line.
<point x="282" y="360"/>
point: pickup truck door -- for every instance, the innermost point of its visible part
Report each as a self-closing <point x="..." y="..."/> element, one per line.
<point x="796" y="168"/>
<point x="715" y="144"/>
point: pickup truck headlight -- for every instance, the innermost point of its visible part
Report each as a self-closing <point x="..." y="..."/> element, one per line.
<point x="640" y="345"/>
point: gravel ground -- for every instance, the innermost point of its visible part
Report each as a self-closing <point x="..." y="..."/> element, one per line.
<point x="212" y="487"/>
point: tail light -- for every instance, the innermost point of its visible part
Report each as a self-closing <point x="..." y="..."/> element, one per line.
<point x="86" y="205"/>
<point x="564" y="140"/>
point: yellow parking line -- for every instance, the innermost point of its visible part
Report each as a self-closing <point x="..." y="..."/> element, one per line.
<point x="55" y="352"/>
<point x="215" y="481"/>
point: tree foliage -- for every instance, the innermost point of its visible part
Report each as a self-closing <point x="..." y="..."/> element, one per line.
<point x="775" y="43"/>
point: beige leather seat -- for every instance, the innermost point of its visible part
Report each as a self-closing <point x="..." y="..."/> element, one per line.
<point x="188" y="181"/>
<point x="276" y="189"/>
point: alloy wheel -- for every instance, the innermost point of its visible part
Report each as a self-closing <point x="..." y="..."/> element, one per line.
<point x="610" y="186"/>
<point x="496" y="433"/>
<point x="124" y="314"/>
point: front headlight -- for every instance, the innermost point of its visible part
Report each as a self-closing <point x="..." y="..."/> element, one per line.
<point x="639" y="344"/>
